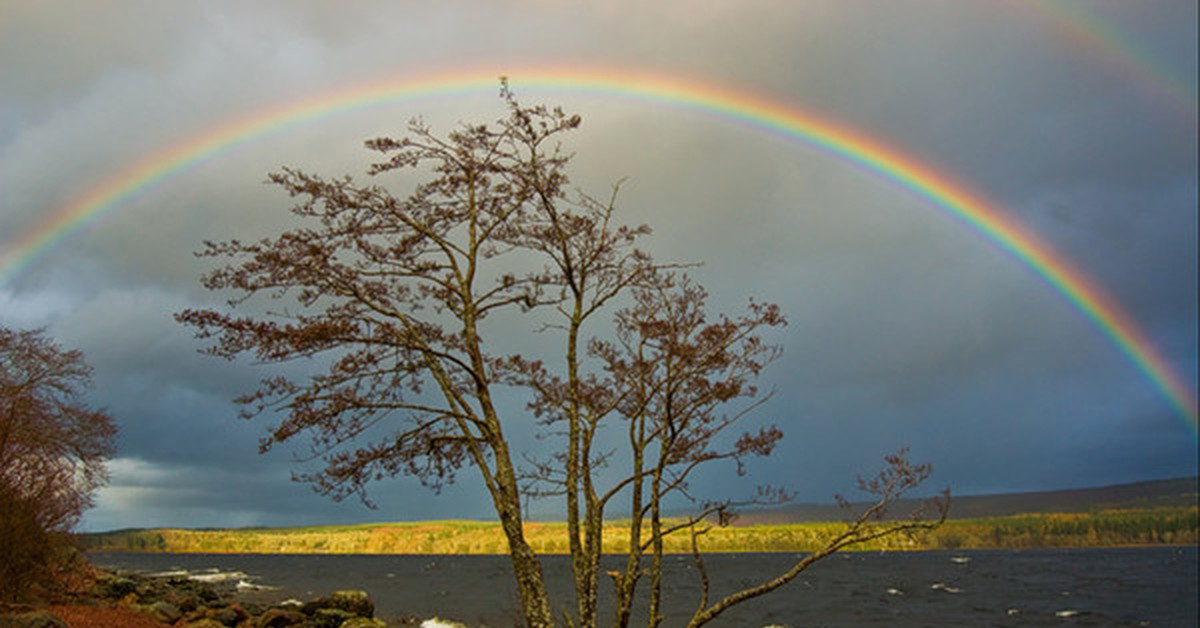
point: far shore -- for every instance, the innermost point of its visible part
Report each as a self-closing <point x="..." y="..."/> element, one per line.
<point x="1106" y="528"/>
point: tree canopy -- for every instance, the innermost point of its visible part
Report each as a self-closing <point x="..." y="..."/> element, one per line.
<point x="53" y="450"/>
<point x="402" y="297"/>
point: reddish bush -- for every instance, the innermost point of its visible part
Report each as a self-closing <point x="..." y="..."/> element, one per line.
<point x="53" y="450"/>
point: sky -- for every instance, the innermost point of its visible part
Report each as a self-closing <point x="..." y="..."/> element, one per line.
<point x="907" y="326"/>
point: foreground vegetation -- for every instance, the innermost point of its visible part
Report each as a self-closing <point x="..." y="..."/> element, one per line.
<point x="1172" y="526"/>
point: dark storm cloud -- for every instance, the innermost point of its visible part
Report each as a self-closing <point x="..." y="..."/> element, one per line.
<point x="906" y="327"/>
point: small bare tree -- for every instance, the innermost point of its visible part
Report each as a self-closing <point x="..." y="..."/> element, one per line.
<point x="874" y="521"/>
<point x="683" y="371"/>
<point x="682" y="383"/>
<point x="402" y="295"/>
<point x="53" y="450"/>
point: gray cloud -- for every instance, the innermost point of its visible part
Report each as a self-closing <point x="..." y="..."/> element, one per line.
<point x="906" y="326"/>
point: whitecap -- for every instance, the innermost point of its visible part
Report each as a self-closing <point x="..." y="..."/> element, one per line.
<point x="436" y="622"/>
<point x="941" y="586"/>
<point x="1068" y="613"/>
<point x="174" y="573"/>
<point x="893" y="591"/>
<point x="243" y="585"/>
<point x="214" y="576"/>
<point x="960" y="560"/>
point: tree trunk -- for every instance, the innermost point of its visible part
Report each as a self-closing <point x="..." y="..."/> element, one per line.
<point x="527" y="569"/>
<point x="655" y="617"/>
<point x="530" y="583"/>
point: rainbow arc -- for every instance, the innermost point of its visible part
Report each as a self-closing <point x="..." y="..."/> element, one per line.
<point x="743" y="107"/>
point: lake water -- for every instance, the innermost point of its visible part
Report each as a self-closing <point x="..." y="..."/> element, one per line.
<point x="1154" y="586"/>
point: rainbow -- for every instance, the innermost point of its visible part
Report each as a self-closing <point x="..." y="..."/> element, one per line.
<point x="746" y="108"/>
<point x="1087" y="32"/>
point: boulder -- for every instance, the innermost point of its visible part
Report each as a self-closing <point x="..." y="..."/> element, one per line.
<point x="185" y="601"/>
<point x="363" y="622"/>
<point x="281" y="618"/>
<point x="35" y="619"/>
<point x="231" y="615"/>
<point x="331" y="617"/>
<point x="204" y="623"/>
<point x="164" y="612"/>
<point x="207" y="593"/>
<point x="332" y="611"/>
<point x="194" y="615"/>
<point x="353" y="602"/>
<point x="113" y="586"/>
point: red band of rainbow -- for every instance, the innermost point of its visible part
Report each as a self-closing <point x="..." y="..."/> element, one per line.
<point x="740" y="106"/>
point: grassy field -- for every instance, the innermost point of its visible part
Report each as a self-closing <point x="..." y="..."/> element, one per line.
<point x="1174" y="526"/>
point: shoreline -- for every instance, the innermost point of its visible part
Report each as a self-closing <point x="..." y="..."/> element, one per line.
<point x="1110" y="528"/>
<point x="91" y="552"/>
<point x="128" y="599"/>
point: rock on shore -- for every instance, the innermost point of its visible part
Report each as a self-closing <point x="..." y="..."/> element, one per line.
<point x="32" y="619"/>
<point x="182" y="602"/>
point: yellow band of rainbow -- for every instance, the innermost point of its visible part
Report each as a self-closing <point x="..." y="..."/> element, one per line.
<point x="740" y="106"/>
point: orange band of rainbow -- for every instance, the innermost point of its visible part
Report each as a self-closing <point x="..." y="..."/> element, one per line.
<point x="752" y="110"/>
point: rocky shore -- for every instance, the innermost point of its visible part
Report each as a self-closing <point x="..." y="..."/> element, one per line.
<point x="183" y="601"/>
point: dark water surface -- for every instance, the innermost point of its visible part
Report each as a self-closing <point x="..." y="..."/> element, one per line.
<point x="1154" y="586"/>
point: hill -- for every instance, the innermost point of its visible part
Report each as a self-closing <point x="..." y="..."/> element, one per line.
<point x="1172" y="493"/>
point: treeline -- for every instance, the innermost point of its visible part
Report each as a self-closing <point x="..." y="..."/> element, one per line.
<point x="1172" y="526"/>
<point x="1160" y="526"/>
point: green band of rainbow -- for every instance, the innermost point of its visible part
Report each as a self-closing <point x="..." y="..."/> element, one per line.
<point x="1085" y="31"/>
<point x="749" y="109"/>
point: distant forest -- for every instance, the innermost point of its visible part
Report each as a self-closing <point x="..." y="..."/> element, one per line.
<point x="1150" y="513"/>
<point x="1170" y="526"/>
<point x="1172" y="493"/>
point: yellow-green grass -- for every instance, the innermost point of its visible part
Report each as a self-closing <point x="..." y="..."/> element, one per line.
<point x="1174" y="526"/>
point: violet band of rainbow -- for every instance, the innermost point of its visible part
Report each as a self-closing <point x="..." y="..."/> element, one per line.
<point x="743" y="107"/>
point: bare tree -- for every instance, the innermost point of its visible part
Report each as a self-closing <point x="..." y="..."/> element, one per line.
<point x="403" y="294"/>
<point x="682" y="383"/>
<point x="682" y="371"/>
<point x="53" y="450"/>
<point x="399" y="289"/>
<point x="666" y="375"/>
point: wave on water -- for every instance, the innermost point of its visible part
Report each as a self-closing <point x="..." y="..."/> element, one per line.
<point x="240" y="579"/>
<point x="437" y="622"/>
<point x="1125" y="586"/>
<point x="245" y="585"/>
<point x="215" y="576"/>
<point x="174" y="573"/>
